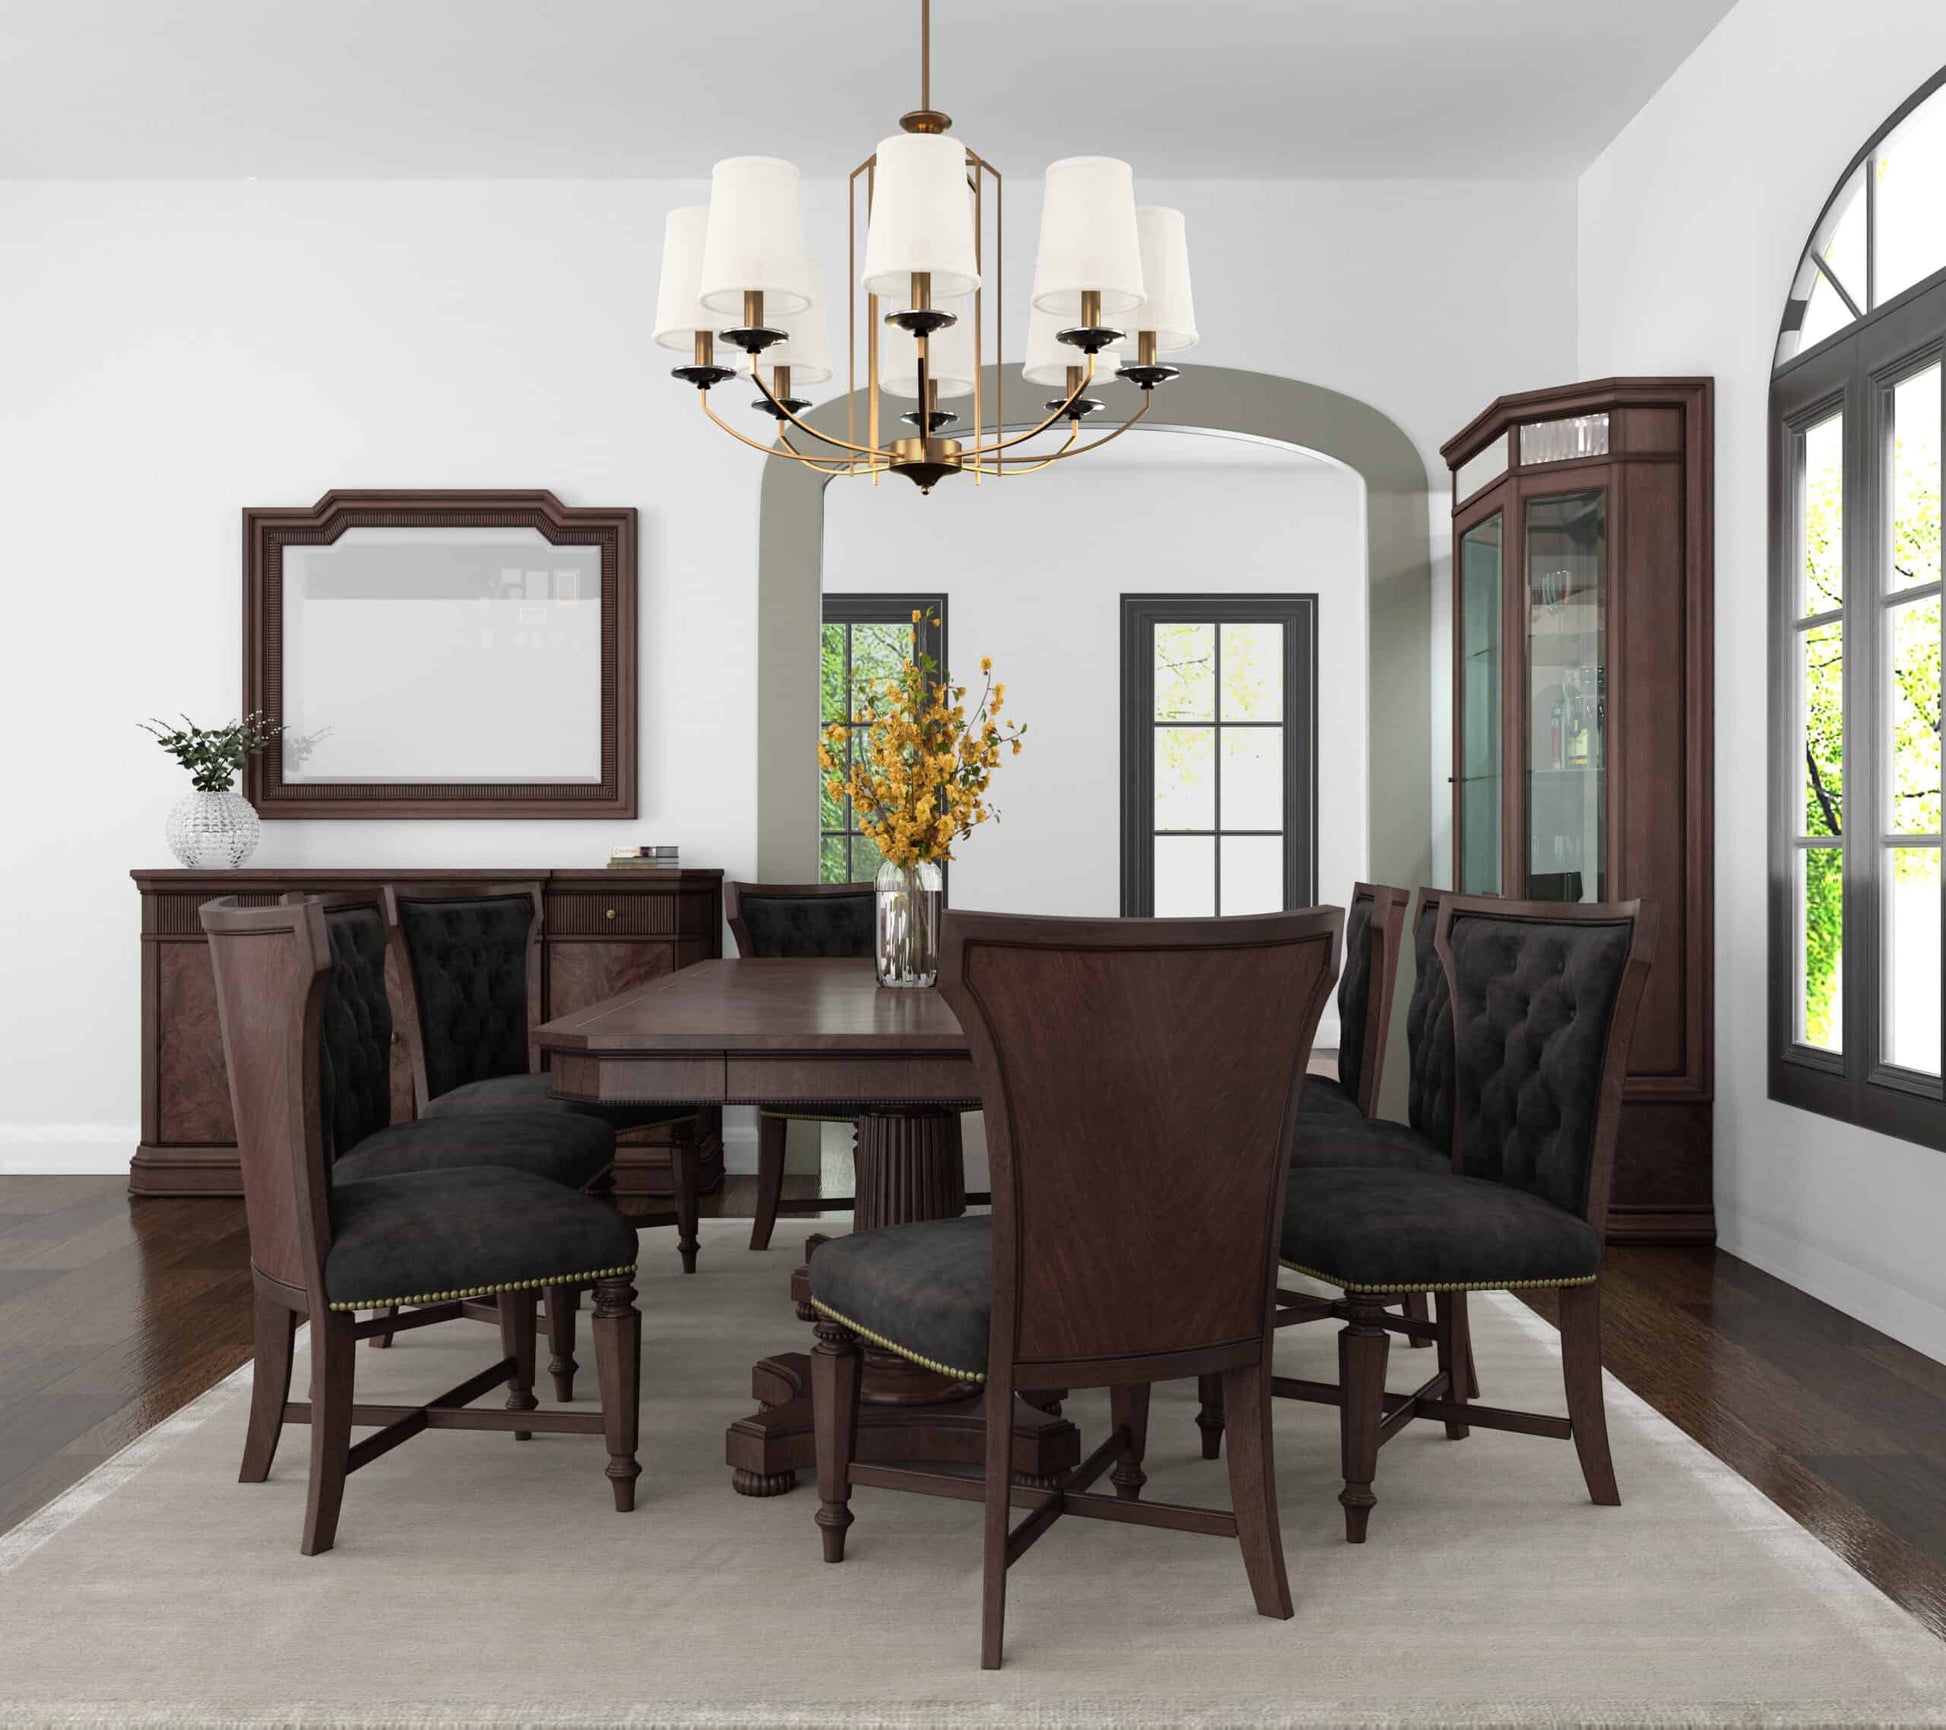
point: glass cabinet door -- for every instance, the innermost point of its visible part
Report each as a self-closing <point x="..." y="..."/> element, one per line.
<point x="1567" y="697"/>
<point x="1479" y="708"/>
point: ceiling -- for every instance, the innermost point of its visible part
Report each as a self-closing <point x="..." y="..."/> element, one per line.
<point x="1526" y="89"/>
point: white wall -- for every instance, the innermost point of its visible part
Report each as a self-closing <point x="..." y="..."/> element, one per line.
<point x="172" y="352"/>
<point x="1035" y="578"/>
<point x="1691" y="224"/>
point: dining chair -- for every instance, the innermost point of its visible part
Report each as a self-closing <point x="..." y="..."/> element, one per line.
<point x="324" y="1245"/>
<point x="1543" y="999"/>
<point x="469" y="965"/>
<point x="566" y="1148"/>
<point x="798" y="921"/>
<point x="1374" y="922"/>
<point x="1141" y="1081"/>
<point x="1340" y="1123"/>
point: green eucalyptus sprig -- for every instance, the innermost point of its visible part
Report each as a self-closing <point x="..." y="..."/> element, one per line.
<point x="213" y="755"/>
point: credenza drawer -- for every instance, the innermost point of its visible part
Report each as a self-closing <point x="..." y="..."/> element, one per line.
<point x="620" y="914"/>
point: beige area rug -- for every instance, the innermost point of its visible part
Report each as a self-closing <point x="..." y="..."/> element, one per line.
<point x="482" y="1581"/>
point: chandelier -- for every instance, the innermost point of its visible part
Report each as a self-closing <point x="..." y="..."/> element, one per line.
<point x="1107" y="270"/>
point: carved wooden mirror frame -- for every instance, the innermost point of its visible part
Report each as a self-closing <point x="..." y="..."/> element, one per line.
<point x="267" y="532"/>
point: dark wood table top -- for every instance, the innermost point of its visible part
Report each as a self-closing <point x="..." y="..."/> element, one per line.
<point x="750" y="1006"/>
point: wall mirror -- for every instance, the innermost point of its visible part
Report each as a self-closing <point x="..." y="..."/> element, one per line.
<point x="442" y="654"/>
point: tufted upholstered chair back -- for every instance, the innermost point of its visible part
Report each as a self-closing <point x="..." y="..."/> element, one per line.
<point x="799" y="920"/>
<point x="1543" y="1004"/>
<point x="355" y="1068"/>
<point x="469" y="976"/>
<point x="1373" y="922"/>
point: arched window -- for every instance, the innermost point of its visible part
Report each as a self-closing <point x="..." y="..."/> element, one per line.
<point x="1855" y="437"/>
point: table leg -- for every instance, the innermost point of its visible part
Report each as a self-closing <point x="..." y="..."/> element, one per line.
<point x="910" y="1166"/>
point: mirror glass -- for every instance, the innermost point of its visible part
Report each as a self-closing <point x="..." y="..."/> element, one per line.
<point x="442" y="655"/>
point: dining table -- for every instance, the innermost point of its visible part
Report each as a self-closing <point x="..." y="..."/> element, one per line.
<point x="823" y="1034"/>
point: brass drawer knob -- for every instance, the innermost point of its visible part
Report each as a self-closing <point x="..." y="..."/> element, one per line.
<point x="610" y="914"/>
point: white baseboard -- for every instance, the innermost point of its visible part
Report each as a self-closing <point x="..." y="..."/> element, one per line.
<point x="1913" y="1320"/>
<point x="66" y="1149"/>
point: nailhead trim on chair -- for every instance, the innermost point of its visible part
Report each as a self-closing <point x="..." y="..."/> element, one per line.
<point x="439" y="1297"/>
<point x="893" y="1346"/>
<point x="1455" y="1285"/>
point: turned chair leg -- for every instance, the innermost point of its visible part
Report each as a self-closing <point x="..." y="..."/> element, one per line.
<point x="517" y="1342"/>
<point x="617" y="1328"/>
<point x="682" y="1180"/>
<point x="836" y="1364"/>
<point x="562" y="1302"/>
<point x="772" y="1136"/>
<point x="334" y="1358"/>
<point x="1253" y="1487"/>
<point x="379" y="1341"/>
<point x="1209" y="1415"/>
<point x="1129" y="1404"/>
<point x="1581" y="1371"/>
<point x="1417" y="1309"/>
<point x="1455" y="1356"/>
<point x="1363" y="1347"/>
<point x="270" y="1387"/>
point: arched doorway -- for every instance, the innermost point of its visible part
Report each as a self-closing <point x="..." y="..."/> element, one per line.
<point x="1223" y="400"/>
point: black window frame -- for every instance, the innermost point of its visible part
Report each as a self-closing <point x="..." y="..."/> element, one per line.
<point x="873" y="609"/>
<point x="1298" y="614"/>
<point x="1854" y="370"/>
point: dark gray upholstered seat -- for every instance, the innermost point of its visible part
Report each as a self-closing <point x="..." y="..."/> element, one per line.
<point x="570" y="1150"/>
<point x="1364" y="1144"/>
<point x="533" y="1093"/>
<point x="423" y="1236"/>
<point x="1324" y="1097"/>
<point x="1368" y="1230"/>
<point x="924" y="1291"/>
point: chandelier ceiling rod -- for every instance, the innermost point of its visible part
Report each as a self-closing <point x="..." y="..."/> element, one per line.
<point x="1106" y="268"/>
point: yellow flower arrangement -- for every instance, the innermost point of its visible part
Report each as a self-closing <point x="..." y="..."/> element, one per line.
<point x="919" y="764"/>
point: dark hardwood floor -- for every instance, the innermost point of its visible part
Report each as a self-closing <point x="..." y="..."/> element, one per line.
<point x="114" y="1313"/>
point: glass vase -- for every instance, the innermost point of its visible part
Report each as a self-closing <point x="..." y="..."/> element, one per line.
<point x="908" y="923"/>
<point x="212" y="831"/>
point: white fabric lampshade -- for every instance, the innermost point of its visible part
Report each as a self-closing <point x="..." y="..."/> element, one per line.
<point x="1048" y="358"/>
<point x="679" y="312"/>
<point x="755" y="238"/>
<point x="1088" y="238"/>
<point x="806" y="348"/>
<point x="949" y="355"/>
<point x="922" y="219"/>
<point x="1167" y="309"/>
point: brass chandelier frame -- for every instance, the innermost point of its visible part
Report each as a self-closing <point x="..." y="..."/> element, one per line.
<point x="926" y="457"/>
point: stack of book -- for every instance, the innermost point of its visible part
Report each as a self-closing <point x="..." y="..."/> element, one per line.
<point x="644" y="859"/>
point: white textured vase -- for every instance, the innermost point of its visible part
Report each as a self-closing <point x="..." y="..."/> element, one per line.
<point x="212" y="831"/>
<point x="908" y="923"/>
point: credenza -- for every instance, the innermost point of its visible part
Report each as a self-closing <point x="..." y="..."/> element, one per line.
<point x="604" y="932"/>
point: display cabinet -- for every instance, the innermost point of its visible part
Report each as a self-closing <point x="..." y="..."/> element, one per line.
<point x="1582" y="721"/>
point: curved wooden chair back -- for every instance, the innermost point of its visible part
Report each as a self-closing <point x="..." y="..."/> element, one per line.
<point x="801" y="919"/>
<point x="1141" y="1080"/>
<point x="1373" y="924"/>
<point x="272" y="967"/>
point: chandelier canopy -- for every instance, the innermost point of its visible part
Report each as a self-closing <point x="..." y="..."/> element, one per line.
<point x="1108" y="273"/>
